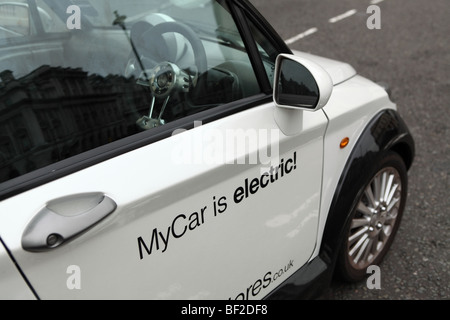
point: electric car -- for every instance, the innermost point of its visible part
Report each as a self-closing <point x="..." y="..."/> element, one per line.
<point x="181" y="150"/>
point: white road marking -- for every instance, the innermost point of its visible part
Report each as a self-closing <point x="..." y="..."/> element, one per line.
<point x="332" y="20"/>
<point x="375" y="1"/>
<point x="342" y="16"/>
<point x="301" y="35"/>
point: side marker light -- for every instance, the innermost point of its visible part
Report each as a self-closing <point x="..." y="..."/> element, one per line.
<point x="344" y="142"/>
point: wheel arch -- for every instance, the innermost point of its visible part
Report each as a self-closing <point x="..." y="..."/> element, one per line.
<point x="386" y="132"/>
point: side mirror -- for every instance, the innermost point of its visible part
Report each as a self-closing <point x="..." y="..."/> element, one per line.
<point x="300" y="84"/>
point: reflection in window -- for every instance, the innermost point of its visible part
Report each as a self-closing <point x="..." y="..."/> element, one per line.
<point x="51" y="127"/>
<point x="64" y="92"/>
<point x="297" y="86"/>
<point x="14" y="19"/>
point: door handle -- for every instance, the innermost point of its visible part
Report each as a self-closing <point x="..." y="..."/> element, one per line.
<point x="63" y="219"/>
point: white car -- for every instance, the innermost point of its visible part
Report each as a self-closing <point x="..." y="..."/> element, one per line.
<point x="155" y="149"/>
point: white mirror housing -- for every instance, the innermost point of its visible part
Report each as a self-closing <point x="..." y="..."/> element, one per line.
<point x="300" y="84"/>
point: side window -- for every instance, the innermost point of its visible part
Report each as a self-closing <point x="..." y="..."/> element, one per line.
<point x="16" y="20"/>
<point x="130" y="66"/>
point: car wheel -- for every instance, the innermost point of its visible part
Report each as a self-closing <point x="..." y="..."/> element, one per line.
<point x="375" y="218"/>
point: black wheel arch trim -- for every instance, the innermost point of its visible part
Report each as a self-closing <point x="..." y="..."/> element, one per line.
<point x="386" y="132"/>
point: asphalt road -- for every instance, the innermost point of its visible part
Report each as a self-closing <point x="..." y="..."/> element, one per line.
<point x="411" y="52"/>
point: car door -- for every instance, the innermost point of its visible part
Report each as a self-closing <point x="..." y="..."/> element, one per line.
<point x="219" y="204"/>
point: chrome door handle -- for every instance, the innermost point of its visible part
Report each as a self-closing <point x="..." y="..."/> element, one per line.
<point x="62" y="219"/>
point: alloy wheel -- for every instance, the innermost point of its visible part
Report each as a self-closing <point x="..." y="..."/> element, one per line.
<point x="375" y="218"/>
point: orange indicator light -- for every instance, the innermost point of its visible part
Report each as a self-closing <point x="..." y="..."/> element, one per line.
<point x="344" y="142"/>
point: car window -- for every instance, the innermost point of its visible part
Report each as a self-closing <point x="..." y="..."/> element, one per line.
<point x="99" y="71"/>
<point x="266" y="50"/>
<point x="14" y="19"/>
<point x="51" y="22"/>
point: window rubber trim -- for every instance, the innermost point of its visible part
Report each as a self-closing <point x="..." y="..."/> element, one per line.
<point x="252" y="49"/>
<point x="263" y="25"/>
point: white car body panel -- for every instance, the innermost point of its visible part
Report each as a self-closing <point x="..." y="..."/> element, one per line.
<point x="351" y="107"/>
<point x="13" y="285"/>
<point x="151" y="192"/>
<point x="354" y="101"/>
<point x="338" y="71"/>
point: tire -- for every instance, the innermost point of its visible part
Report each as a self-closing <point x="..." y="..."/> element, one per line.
<point x="375" y="218"/>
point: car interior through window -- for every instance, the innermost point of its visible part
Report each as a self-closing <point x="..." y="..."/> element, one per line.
<point x="71" y="81"/>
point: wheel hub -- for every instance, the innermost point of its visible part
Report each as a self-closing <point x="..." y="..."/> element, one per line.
<point x="378" y="220"/>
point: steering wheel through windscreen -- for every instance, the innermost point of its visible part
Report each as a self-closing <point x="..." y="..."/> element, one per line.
<point x="166" y="78"/>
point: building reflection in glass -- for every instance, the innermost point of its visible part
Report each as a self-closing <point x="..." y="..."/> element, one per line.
<point x="54" y="113"/>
